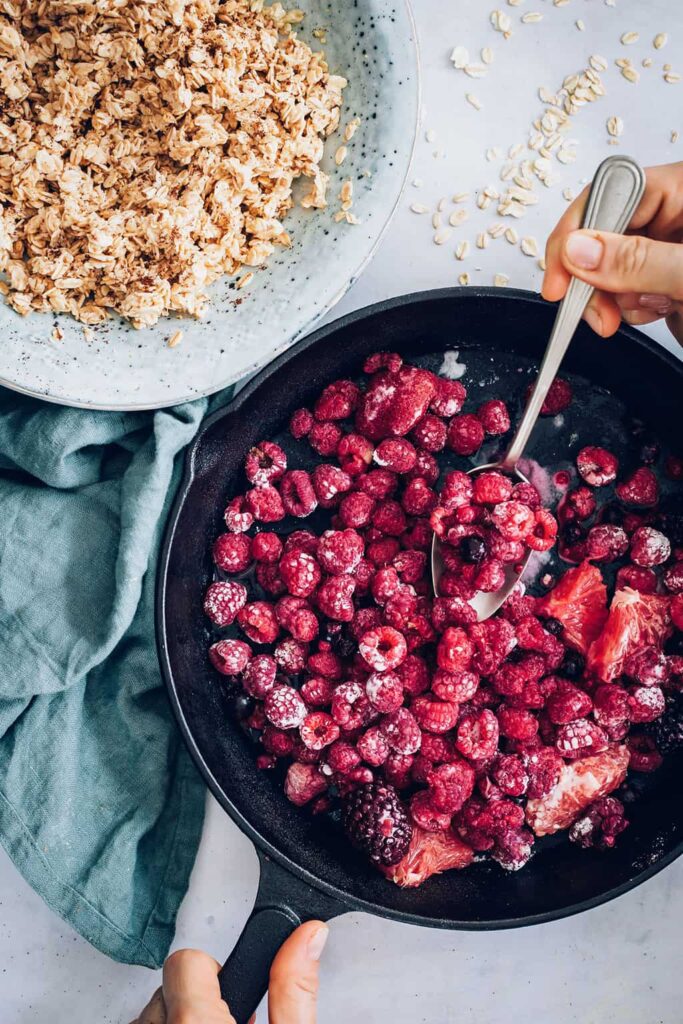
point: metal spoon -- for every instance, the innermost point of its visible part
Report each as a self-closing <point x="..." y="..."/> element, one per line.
<point x="616" y="190"/>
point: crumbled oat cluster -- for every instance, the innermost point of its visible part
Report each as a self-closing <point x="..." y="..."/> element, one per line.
<point x="148" y="148"/>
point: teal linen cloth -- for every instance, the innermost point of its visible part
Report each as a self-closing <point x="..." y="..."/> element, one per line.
<point x="101" y="808"/>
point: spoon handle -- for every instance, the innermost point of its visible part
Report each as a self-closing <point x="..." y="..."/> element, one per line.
<point x="617" y="189"/>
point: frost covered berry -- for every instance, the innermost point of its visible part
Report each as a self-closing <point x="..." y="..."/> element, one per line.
<point x="223" y="600"/>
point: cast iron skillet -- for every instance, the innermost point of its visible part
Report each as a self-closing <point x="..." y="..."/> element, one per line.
<point x="307" y="870"/>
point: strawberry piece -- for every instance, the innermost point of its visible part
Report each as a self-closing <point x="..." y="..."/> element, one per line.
<point x="635" y="620"/>
<point x="580" y="783"/>
<point x="429" y="854"/>
<point x="579" y="601"/>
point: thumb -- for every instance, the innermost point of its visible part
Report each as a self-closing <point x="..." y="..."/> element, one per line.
<point x="625" y="263"/>
<point x="293" y="986"/>
<point x="191" y="991"/>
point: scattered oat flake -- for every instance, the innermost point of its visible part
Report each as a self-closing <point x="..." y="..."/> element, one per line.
<point x="560" y="3"/>
<point x="436" y="220"/>
<point x="541" y="263"/>
<point x="646" y="62"/>
<point x="441" y="205"/>
<point x="487" y="55"/>
<point x="615" y="126"/>
<point x="88" y="333"/>
<point x="462" y="249"/>
<point x="460" y="57"/>
<point x="631" y="75"/>
<point x="501" y="23"/>
<point x="674" y="136"/>
<point x="430" y="135"/>
<point x="516" y="150"/>
<point x="351" y="129"/>
<point x="496" y="230"/>
<point x="419" y="208"/>
<point x="417" y="183"/>
<point x="531" y="18"/>
<point x="529" y="246"/>
<point x="340" y="155"/>
<point x="483" y="201"/>
<point x="629" y="38"/>
<point x="473" y="101"/>
<point x="580" y="24"/>
<point x="245" y="280"/>
<point x="460" y="197"/>
<point x="464" y="278"/>
<point x="501" y="280"/>
<point x="598" y="63"/>
<point x="441" y="237"/>
<point x="660" y="40"/>
<point x="457" y="218"/>
<point x="57" y="333"/>
<point x="475" y="70"/>
<point x="175" y="339"/>
<point x="511" y="236"/>
<point x="568" y="195"/>
<point x="671" y="77"/>
<point x="482" y="240"/>
<point x="346" y="191"/>
<point x="493" y="153"/>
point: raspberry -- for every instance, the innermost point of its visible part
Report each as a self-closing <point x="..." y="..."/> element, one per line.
<point x="373" y="747"/>
<point x="298" y="494"/>
<point x="401" y="731"/>
<point x="490" y="577"/>
<point x="606" y="543"/>
<point x="265" y="464"/>
<point x="385" y="691"/>
<point x="457" y="687"/>
<point x="454" y="650"/>
<point x="649" y="547"/>
<point x="385" y="584"/>
<point x="637" y="578"/>
<point x="396" y="454"/>
<point x="329" y="482"/>
<point x="645" y="757"/>
<point x="302" y="540"/>
<point x="265" y="504"/>
<point x="377" y="824"/>
<point x="513" y="520"/>
<point x="284" y="707"/>
<point x="223" y="601"/>
<point x="266" y="547"/>
<point x="258" y="622"/>
<point x="389" y="518"/>
<point x="477" y="735"/>
<point x="578" y="504"/>
<point x="397" y="769"/>
<point x="510" y="775"/>
<point x="415" y="390"/>
<point x="544" y="766"/>
<point x="355" y="510"/>
<point x="558" y="398"/>
<point x="437" y="749"/>
<point x="300" y="423"/>
<point x="337" y="401"/>
<point x="516" y="723"/>
<point x="435" y="715"/>
<point x="317" y="691"/>
<point x="597" y="466"/>
<point x="354" y="453"/>
<point x="457" y="490"/>
<point x="452" y="611"/>
<point x="268" y="576"/>
<point x="425" y="466"/>
<point x="410" y="565"/>
<point x="418" y="498"/>
<point x="506" y="551"/>
<point x="673" y="578"/>
<point x="491" y="488"/>
<point x="363" y="574"/>
<point x="325" y="437"/>
<point x="673" y="467"/>
<point x="513" y="849"/>
<point x="237" y="518"/>
<point x="303" y="783"/>
<point x="567" y="703"/>
<point x="290" y="655"/>
<point x="449" y="397"/>
<point x="335" y="598"/>
<point x="259" y="676"/>
<point x="430" y="433"/>
<point x="230" y="657"/>
<point x="373" y="408"/>
<point x="232" y="552"/>
<point x="450" y="785"/>
<point x="426" y="815"/>
<point x="493" y="640"/>
<point x="342" y="757"/>
<point x="580" y="739"/>
<point x="600" y="824"/>
<point x="414" y="675"/>
<point x="640" y="489"/>
<point x="494" y="417"/>
<point x="383" y="648"/>
<point x="544" y="532"/>
<point x="318" y="730"/>
<point x="465" y="434"/>
<point x="646" y="703"/>
<point x="300" y="572"/>
<point x="611" y="706"/>
<point x="648" y="666"/>
<point x="277" y="741"/>
<point x="340" y="551"/>
<point x="390" y="361"/>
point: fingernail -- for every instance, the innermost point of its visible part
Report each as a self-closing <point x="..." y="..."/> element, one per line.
<point x="583" y="250"/>
<point x="316" y="943"/>
<point x="656" y="304"/>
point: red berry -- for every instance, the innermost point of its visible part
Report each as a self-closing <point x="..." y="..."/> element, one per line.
<point x="454" y="650"/>
<point x="389" y="518"/>
<point x="425" y="814"/>
<point x="606" y="543"/>
<point x="378" y="483"/>
<point x="237" y="518"/>
<point x="300" y="572"/>
<point x="450" y="785"/>
<point x="430" y="433"/>
<point x="640" y="489"/>
<point x="646" y="703"/>
<point x="373" y="747"/>
<point x="414" y="674"/>
<point x="567" y="703"/>
<point x="637" y="578"/>
<point x="449" y="397"/>
<point x="303" y="783"/>
<point x="510" y="775"/>
<point x="558" y="398"/>
<point x="673" y="578"/>
<point x="513" y="520"/>
<point x="425" y="466"/>
<point x="298" y="494"/>
<point x="383" y="648"/>
<point x="457" y="687"/>
<point x="435" y="715"/>
<point x="266" y="547"/>
<point x="325" y="437"/>
<point x="477" y="735"/>
<point x="265" y="463"/>
<point x="385" y="584"/>
<point x="337" y="401"/>
<point x="544" y="765"/>
<point x="580" y="739"/>
<point x="610" y="705"/>
<point x="418" y="498"/>
<point x="290" y="655"/>
<point x="457" y="490"/>
<point x="490" y="576"/>
<point x="465" y="434"/>
<point x="396" y="454"/>
<point x="300" y="423"/>
<point x="223" y="601"/>
<point x="597" y="466"/>
<point x="265" y="504"/>
<point x="355" y="510"/>
<point x="277" y="742"/>
<point x="232" y="552"/>
<point x="577" y="504"/>
<point x="335" y="598"/>
<point x="644" y="754"/>
<point x="401" y="731"/>
<point x="340" y="551"/>
<point x="649" y="547"/>
<point x="494" y="417"/>
<point x="516" y="723"/>
<point x="284" y="707"/>
<point x="329" y="482"/>
<point x="318" y="730"/>
<point x="410" y="565"/>
<point x="491" y="488"/>
<point x="414" y="391"/>
<point x="354" y="453"/>
<point x="230" y="657"/>
<point x="342" y="757"/>
<point x="258" y="622"/>
<point x="526" y="494"/>
<point x="544" y="531"/>
<point x="258" y="678"/>
<point x="317" y="691"/>
<point x="390" y="361"/>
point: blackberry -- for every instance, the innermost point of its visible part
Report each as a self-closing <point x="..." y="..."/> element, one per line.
<point x="573" y="665"/>
<point x="573" y="533"/>
<point x="472" y="549"/>
<point x="344" y="645"/>
<point x="648" y="452"/>
<point x="376" y="822"/>
<point x="553" y="626"/>
<point x="667" y="731"/>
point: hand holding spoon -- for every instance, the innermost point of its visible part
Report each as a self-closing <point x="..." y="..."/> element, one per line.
<point x="616" y="190"/>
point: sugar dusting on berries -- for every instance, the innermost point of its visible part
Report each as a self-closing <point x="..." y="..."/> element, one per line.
<point x="451" y="367"/>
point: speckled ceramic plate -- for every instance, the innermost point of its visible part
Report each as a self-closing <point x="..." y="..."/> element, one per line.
<point x="372" y="43"/>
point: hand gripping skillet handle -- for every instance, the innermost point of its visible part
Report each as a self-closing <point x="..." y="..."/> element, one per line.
<point x="617" y="189"/>
<point x="283" y="902"/>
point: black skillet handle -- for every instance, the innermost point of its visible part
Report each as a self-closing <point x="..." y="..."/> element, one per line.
<point x="283" y="902"/>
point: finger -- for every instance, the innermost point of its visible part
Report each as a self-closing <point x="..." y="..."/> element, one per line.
<point x="154" y="1012"/>
<point x="602" y="314"/>
<point x="293" y="989"/>
<point x="675" y="324"/>
<point x="624" y="263"/>
<point x="191" y="991"/>
<point x="637" y="319"/>
<point x="556" y="279"/>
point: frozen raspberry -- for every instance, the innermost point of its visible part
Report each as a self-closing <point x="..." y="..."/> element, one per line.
<point x="452" y="611"/>
<point x="378" y="484"/>
<point x="325" y="437"/>
<point x="457" y="490"/>
<point x="673" y="578"/>
<point x="544" y="531"/>
<point x="494" y="417"/>
<point x="302" y="540"/>
<point x="223" y="601"/>
<point x="363" y="574"/>
<point x="397" y="769"/>
<point x="265" y="463"/>
<point x="567" y="703"/>
<point x="342" y="757"/>
<point x="415" y="390"/>
<point x="426" y="815"/>
<point x="640" y="489"/>
<point x="418" y="498"/>
<point x="544" y="766"/>
<point x="377" y="824"/>
<point x="277" y="742"/>
<point x="389" y="518"/>
<point x="354" y="453"/>
<point x="646" y="703"/>
<point x="317" y="691"/>
<point x="510" y="775"/>
<point x="649" y="547"/>
<point x="410" y="565"/>
<point x="513" y="520"/>
<point x="513" y="849"/>
<point x="450" y="785"/>
<point x="383" y="648"/>
<point x="268" y="576"/>
<point x="300" y="423"/>
<point x="401" y="731"/>
<point x="465" y="434"/>
<point x="454" y="651"/>
<point x="645" y="757"/>
<point x="597" y="466"/>
<point x="491" y="488"/>
<point x="437" y="749"/>
<point x="326" y="663"/>
<point x="373" y="747"/>
<point x="396" y="454"/>
<point x="303" y="783"/>
<point x="258" y="678"/>
<point x="300" y="572"/>
<point x="373" y="409"/>
<point x="385" y="584"/>
<point x="390" y="361"/>
<point x="335" y="598"/>
<point x="266" y="547"/>
<point x="430" y="433"/>
<point x="637" y="578"/>
<point x="506" y="551"/>
<point x="457" y="687"/>
<point x="421" y="767"/>
<point x="340" y="551"/>
<point x="284" y="707"/>
<point x="449" y="398"/>
<point x="558" y="398"/>
<point x="673" y="467"/>
<point x="477" y="735"/>
<point x="298" y="494"/>
<point x="237" y="517"/>
<point x="600" y="825"/>
<point x="606" y="543"/>
<point x="435" y="715"/>
<point x="516" y="723"/>
<point x="290" y="655"/>
<point x="580" y="739"/>
<point x="230" y="657"/>
<point x="578" y="504"/>
<point x="265" y="504"/>
<point x="385" y="691"/>
<point x="356" y="510"/>
<point x="414" y="674"/>
<point x="329" y="482"/>
<point x="258" y="622"/>
<point x="337" y="401"/>
<point x="611" y="706"/>
<point x="490" y="576"/>
<point x="676" y="608"/>
<point x="648" y="666"/>
<point x="232" y="552"/>
<point x="318" y="730"/>
<point x="425" y="466"/>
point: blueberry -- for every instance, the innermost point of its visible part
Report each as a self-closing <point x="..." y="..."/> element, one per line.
<point x="554" y="626"/>
<point x="573" y="665"/>
<point x="472" y="549"/>
<point x="242" y="705"/>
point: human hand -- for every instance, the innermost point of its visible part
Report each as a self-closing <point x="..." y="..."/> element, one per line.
<point x="639" y="276"/>
<point x="190" y="993"/>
